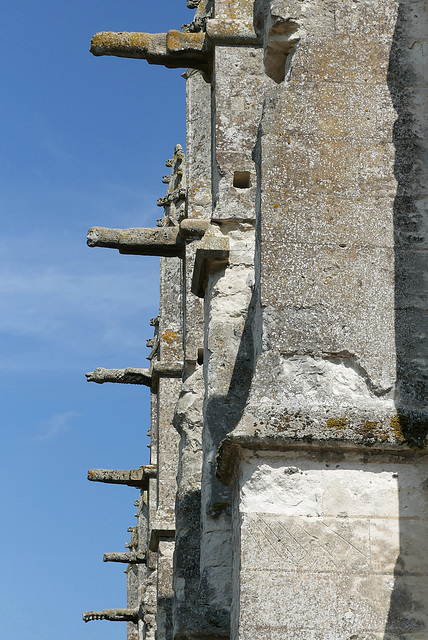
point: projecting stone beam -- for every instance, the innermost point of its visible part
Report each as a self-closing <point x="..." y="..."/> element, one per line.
<point x="175" y="49"/>
<point x="114" y="615"/>
<point x="162" y="369"/>
<point x="130" y="477"/>
<point x="130" y="557"/>
<point x="193" y="228"/>
<point x="159" y="241"/>
<point x="120" y="376"/>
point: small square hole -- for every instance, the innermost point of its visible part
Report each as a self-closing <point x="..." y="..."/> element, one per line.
<point x="241" y="179"/>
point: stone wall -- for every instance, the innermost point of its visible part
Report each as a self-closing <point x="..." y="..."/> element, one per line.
<point x="286" y="495"/>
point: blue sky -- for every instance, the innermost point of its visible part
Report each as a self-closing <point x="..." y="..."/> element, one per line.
<point x="84" y="142"/>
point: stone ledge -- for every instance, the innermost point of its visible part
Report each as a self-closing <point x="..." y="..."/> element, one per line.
<point x="270" y="439"/>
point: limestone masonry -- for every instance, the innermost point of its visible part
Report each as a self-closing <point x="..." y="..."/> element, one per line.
<point x="287" y="492"/>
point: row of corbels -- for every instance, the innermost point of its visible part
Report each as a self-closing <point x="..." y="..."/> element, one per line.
<point x="138" y="478"/>
<point x="161" y="241"/>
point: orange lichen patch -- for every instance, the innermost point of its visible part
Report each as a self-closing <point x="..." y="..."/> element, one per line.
<point x="169" y="335"/>
<point x="140" y="40"/>
<point x="181" y="41"/>
<point x="397" y="427"/>
<point x="112" y="40"/>
<point x="337" y="423"/>
<point x="370" y="429"/>
<point x="232" y="27"/>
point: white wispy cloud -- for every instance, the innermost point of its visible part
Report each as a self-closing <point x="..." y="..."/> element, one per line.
<point x="54" y="310"/>
<point x="56" y="425"/>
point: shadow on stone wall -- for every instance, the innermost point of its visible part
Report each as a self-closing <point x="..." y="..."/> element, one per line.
<point x="223" y="413"/>
<point x="408" y="611"/>
<point x="409" y="96"/>
<point x="408" y="89"/>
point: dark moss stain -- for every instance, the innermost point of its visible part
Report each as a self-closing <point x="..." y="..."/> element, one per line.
<point x="217" y="508"/>
<point x="410" y="430"/>
<point x="405" y="429"/>
<point x="370" y="429"/>
<point x="337" y="423"/>
<point x="396" y="426"/>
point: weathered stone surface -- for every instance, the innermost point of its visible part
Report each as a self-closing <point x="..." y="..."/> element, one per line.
<point x="198" y="145"/>
<point x="164" y="621"/>
<point x="167" y="369"/>
<point x="167" y="455"/>
<point x="170" y="350"/>
<point x="228" y="368"/>
<point x="231" y="31"/>
<point x="193" y="229"/>
<point x="239" y="81"/>
<point x="133" y="600"/>
<point x="333" y="283"/>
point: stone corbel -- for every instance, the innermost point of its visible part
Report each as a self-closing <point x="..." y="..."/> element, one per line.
<point x="174" y="49"/>
<point x="158" y="241"/>
<point x="114" y="615"/>
<point x="173" y="196"/>
<point x="129" y="375"/>
<point x="130" y="477"/>
<point x="128" y="557"/>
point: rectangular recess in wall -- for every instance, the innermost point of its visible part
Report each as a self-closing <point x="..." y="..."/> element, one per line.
<point x="241" y="179"/>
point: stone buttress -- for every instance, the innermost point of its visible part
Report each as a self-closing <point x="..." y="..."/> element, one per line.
<point x="286" y="494"/>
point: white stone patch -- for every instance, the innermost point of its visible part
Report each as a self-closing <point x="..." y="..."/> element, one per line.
<point x="269" y="490"/>
<point x="340" y="539"/>
<point x="307" y="380"/>
<point x="313" y="489"/>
